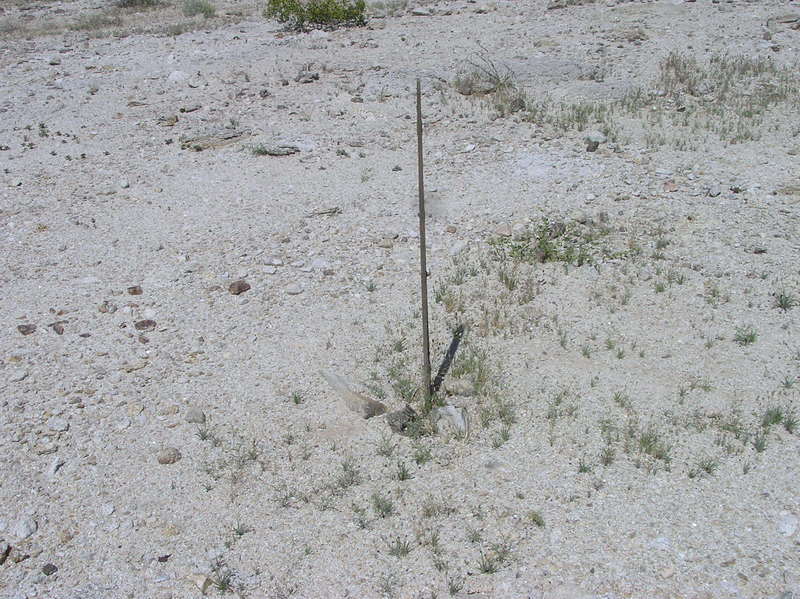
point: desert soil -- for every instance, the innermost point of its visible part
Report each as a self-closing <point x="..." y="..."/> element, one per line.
<point x="165" y="429"/>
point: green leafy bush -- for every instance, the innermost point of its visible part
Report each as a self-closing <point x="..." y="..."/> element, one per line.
<point x="298" y="14"/>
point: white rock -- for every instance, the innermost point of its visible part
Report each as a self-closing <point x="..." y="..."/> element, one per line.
<point x="454" y="418"/>
<point x="273" y="261"/>
<point x="124" y="184"/>
<point x="787" y="524"/>
<point x="178" y="76"/>
<point x="270" y="270"/>
<point x="58" y="424"/>
<point x="24" y="528"/>
<point x="294" y="289"/>
<point x="107" y="509"/>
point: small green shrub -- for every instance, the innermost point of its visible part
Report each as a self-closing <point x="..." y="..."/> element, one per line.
<point x="199" y="7"/>
<point x="297" y="14"/>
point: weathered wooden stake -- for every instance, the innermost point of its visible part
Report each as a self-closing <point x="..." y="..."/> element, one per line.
<point x="423" y="267"/>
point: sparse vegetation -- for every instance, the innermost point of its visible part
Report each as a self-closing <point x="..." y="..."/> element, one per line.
<point x="193" y="8"/>
<point x="298" y="14"/>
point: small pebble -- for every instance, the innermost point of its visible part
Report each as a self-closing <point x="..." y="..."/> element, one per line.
<point x="169" y="455"/>
<point x="49" y="569"/>
<point x="135" y="290"/>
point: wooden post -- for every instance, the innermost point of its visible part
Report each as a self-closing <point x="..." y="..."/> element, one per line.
<point x="423" y="267"/>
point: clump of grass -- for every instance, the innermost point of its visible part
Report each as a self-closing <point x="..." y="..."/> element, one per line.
<point x="745" y="335"/>
<point x="534" y="517"/>
<point x="193" y="8"/>
<point x="94" y="21"/>
<point x="785" y="301"/>
<point x="348" y="476"/>
<point x="299" y="14"/>
<point x="487" y="564"/>
<point x="772" y="416"/>
<point x="400" y="547"/>
<point x="650" y="443"/>
<point x="382" y="505"/>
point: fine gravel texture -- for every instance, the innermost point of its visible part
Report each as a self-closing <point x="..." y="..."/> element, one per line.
<point x="210" y="354"/>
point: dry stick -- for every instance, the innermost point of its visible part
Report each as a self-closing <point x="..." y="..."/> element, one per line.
<point x="423" y="268"/>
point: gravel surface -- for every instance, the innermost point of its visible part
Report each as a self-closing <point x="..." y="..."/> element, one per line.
<point x="210" y="307"/>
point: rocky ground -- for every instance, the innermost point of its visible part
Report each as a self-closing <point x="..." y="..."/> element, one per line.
<point x="203" y="219"/>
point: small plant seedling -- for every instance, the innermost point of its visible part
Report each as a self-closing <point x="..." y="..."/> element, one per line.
<point x="536" y="518"/>
<point x="745" y="335"/>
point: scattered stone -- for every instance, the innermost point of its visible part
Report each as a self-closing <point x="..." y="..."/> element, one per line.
<point x="450" y="228"/>
<point x="107" y="307"/>
<point x="270" y="270"/>
<point x="714" y="191"/>
<point x="397" y="168"/>
<point x="54" y="61"/>
<point x="49" y="569"/>
<point x="305" y="76"/>
<point x="294" y="289"/>
<point x="365" y="406"/>
<point x="145" y="325"/>
<point x="238" y="287"/>
<point x="5" y="550"/>
<point x="195" y="416"/>
<point x="58" y="327"/>
<point x="670" y="186"/>
<point x="135" y="290"/>
<point x="386" y="243"/>
<point x="107" y="509"/>
<point x="58" y="424"/>
<point x="24" y="528"/>
<point x="400" y="420"/>
<point x="124" y="184"/>
<point x="176" y="76"/>
<point x="26" y="329"/>
<point x="273" y="261"/>
<point x="787" y="524"/>
<point x="421" y="12"/>
<point x="169" y="455"/>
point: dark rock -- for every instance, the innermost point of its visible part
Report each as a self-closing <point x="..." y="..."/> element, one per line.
<point x="135" y="290"/>
<point x="58" y="327"/>
<point x="49" y="569"/>
<point x="26" y="329"/>
<point x="145" y="325"/>
<point x="238" y="287"/>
